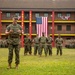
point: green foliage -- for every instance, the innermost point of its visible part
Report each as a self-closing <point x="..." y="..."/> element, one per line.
<point x="35" y="65"/>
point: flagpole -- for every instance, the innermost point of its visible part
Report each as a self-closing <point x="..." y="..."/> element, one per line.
<point x="53" y="27"/>
<point x="22" y="23"/>
<point x="30" y="23"/>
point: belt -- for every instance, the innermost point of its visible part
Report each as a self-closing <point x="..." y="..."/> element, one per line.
<point x="43" y="43"/>
<point x="49" y="43"/>
<point x="36" y="43"/>
<point x="14" y="37"/>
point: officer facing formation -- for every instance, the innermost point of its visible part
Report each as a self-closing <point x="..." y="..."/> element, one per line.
<point x="59" y="42"/>
<point x="36" y="44"/>
<point x="43" y="44"/>
<point x="49" y="44"/>
<point x="27" y="45"/>
<point x="13" y="31"/>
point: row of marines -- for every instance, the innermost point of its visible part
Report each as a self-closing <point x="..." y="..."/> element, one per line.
<point x="42" y="43"/>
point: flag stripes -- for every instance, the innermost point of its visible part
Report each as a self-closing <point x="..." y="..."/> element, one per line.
<point x="41" y="25"/>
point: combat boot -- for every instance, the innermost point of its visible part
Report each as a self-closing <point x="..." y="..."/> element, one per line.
<point x="16" y="67"/>
<point x="9" y="66"/>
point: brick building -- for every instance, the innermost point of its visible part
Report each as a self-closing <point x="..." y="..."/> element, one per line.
<point x="60" y="13"/>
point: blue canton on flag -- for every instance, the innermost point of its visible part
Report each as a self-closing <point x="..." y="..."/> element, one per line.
<point x="39" y="20"/>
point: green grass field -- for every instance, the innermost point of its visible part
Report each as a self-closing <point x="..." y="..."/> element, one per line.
<point x="35" y="65"/>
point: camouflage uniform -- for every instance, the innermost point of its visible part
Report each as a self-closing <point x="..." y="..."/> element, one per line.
<point x="74" y="43"/>
<point x="30" y="44"/>
<point x="4" y="43"/>
<point x="0" y="43"/>
<point x="36" y="45"/>
<point x="27" y="45"/>
<point x="14" y="41"/>
<point x="59" y="42"/>
<point x="43" y="44"/>
<point x="49" y="45"/>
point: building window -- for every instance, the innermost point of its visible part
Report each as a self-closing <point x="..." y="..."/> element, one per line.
<point x="37" y="15"/>
<point x="26" y="28"/>
<point x="68" y="27"/>
<point x="7" y="15"/>
<point x="17" y="14"/>
<point x="59" y="14"/>
<point x="45" y="14"/>
<point x="68" y="14"/>
<point x="59" y="27"/>
<point x="27" y="16"/>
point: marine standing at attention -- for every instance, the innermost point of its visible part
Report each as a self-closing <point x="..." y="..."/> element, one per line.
<point x="13" y="31"/>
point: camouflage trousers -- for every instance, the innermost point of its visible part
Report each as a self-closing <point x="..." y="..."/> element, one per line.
<point x="59" y="48"/>
<point x="36" y="48"/>
<point x="0" y="45"/>
<point x="41" y="47"/>
<point x="49" y="47"/>
<point x="27" y="49"/>
<point x="16" y="49"/>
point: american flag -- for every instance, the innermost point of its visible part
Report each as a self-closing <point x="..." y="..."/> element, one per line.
<point x="41" y="25"/>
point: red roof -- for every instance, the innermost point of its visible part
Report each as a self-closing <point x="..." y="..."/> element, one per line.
<point x="37" y="4"/>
